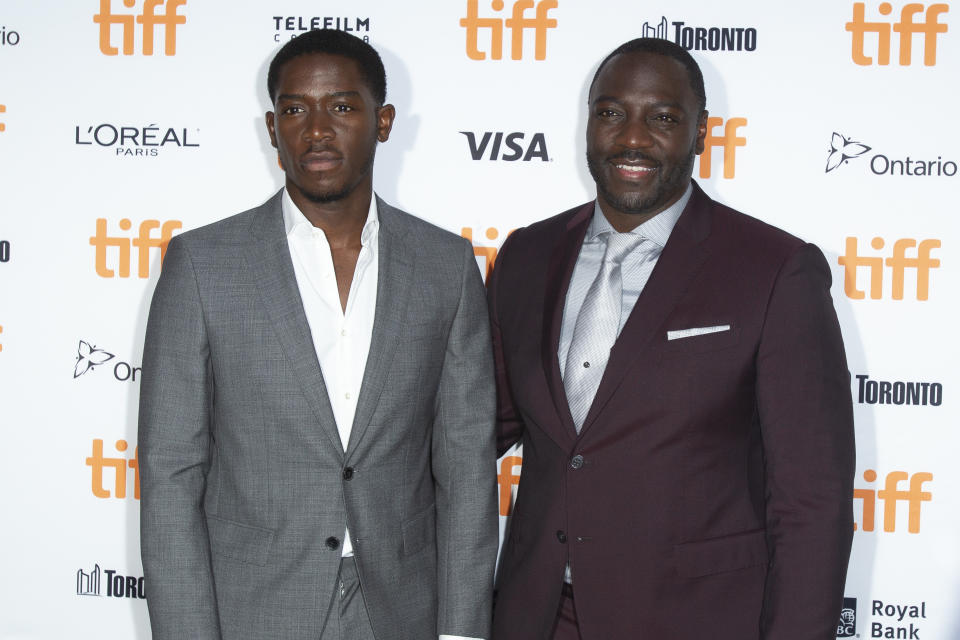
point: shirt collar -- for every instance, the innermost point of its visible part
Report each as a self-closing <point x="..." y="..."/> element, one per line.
<point x="657" y="228"/>
<point x="294" y="222"/>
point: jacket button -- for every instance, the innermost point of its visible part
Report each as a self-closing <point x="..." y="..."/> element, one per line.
<point x="332" y="542"/>
<point x="348" y="473"/>
<point x="561" y="536"/>
<point x="576" y="461"/>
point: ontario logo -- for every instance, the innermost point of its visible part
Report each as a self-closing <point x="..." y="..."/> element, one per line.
<point x="289" y="27"/>
<point x="843" y="149"/>
<point x="702" y="38"/>
<point x="110" y="583"/>
<point x="128" y="140"/>
<point x="847" y="626"/>
<point x="89" y="357"/>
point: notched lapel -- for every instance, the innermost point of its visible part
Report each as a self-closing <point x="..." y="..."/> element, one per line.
<point x="268" y="256"/>
<point x="394" y="276"/>
<point x="681" y="260"/>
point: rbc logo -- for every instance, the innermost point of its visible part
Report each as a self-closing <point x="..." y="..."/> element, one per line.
<point x="847" y="626"/>
<point x="516" y="23"/>
<point x="148" y="21"/>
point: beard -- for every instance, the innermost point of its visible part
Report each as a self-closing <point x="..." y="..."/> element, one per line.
<point x="344" y="190"/>
<point x="642" y="202"/>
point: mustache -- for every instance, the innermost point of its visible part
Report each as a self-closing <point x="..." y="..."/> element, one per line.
<point x="632" y="156"/>
<point x="323" y="148"/>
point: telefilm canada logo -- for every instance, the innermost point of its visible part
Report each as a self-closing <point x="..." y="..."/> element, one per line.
<point x="847" y="626"/>
<point x="90" y="356"/>
<point x="289" y="27"/>
<point x="136" y="140"/>
<point x="697" y="38"/>
<point x="99" y="582"/>
<point x="844" y="149"/>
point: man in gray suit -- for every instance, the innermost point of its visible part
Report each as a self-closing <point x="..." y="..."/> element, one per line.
<point x="317" y="403"/>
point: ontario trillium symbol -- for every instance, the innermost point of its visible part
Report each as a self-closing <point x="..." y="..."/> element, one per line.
<point x="843" y="149"/>
<point x="89" y="357"/>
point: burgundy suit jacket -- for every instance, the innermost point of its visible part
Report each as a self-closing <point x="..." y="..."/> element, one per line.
<point x="709" y="492"/>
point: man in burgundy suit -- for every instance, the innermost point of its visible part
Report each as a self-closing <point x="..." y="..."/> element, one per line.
<point x="676" y="373"/>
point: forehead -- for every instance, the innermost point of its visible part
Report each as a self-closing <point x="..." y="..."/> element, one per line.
<point x="321" y="72"/>
<point x="644" y="76"/>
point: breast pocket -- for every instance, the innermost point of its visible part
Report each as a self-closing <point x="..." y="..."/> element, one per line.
<point x="704" y="342"/>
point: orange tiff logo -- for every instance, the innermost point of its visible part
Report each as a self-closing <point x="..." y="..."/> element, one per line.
<point x="507" y="480"/>
<point x="898" y="264"/>
<point x="488" y="254"/>
<point x="929" y="27"/>
<point x="143" y="243"/>
<point x="891" y="494"/>
<point x="728" y="140"/>
<point x="149" y="20"/>
<point x="517" y="23"/>
<point x="119" y="465"/>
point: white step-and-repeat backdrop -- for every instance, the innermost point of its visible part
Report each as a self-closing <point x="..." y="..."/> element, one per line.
<point x="125" y="122"/>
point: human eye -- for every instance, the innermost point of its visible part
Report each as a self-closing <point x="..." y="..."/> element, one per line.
<point x="342" y="107"/>
<point x="292" y="109"/>
<point x="606" y="113"/>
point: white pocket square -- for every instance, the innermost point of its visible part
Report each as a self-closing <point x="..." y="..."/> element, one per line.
<point x="696" y="331"/>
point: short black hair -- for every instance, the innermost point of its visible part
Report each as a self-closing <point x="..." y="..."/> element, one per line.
<point x="661" y="47"/>
<point x="333" y="42"/>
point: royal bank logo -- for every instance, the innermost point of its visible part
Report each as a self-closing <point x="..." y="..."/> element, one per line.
<point x="289" y="27"/>
<point x="89" y="357"/>
<point x="915" y="19"/>
<point x="508" y="146"/>
<point x="843" y="149"/>
<point x="519" y="21"/>
<point x="694" y="38"/>
<point x="109" y="583"/>
<point x="136" y="141"/>
<point x="847" y="626"/>
<point x="155" y="16"/>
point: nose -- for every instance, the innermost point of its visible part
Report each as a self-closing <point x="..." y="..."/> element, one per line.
<point x="635" y="133"/>
<point x="318" y="125"/>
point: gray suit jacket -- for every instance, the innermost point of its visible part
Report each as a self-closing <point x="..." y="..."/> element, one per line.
<point x="243" y="475"/>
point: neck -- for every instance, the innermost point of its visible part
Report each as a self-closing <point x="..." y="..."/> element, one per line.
<point x="341" y="220"/>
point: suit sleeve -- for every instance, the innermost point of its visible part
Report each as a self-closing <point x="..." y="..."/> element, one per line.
<point x="464" y="466"/>
<point x="509" y="424"/>
<point x="806" y="419"/>
<point x="174" y="448"/>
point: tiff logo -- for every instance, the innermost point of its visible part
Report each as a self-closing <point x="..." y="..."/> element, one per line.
<point x="98" y="463"/>
<point x="517" y="23"/>
<point x="729" y="141"/>
<point x="487" y="254"/>
<point x="507" y="480"/>
<point x="898" y="263"/>
<point x="930" y="27"/>
<point x="891" y="494"/>
<point x="88" y="584"/>
<point x="143" y="243"/>
<point x="148" y="20"/>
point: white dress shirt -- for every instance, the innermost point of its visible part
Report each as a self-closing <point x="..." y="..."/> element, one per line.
<point x="635" y="270"/>
<point x="341" y="337"/>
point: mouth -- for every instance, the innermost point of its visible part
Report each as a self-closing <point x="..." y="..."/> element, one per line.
<point x="320" y="160"/>
<point x="632" y="170"/>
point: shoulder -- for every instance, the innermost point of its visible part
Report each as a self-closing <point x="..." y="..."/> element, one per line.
<point x="734" y="233"/>
<point x="233" y="230"/>
<point x="425" y="239"/>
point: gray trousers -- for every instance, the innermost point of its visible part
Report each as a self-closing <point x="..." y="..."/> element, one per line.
<point x="347" y="618"/>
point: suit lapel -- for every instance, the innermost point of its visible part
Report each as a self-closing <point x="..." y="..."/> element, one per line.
<point x="681" y="259"/>
<point x="559" y="271"/>
<point x="394" y="275"/>
<point x="269" y="260"/>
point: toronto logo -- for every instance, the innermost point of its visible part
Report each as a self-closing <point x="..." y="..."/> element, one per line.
<point x="843" y="149"/>
<point x="89" y="357"/>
